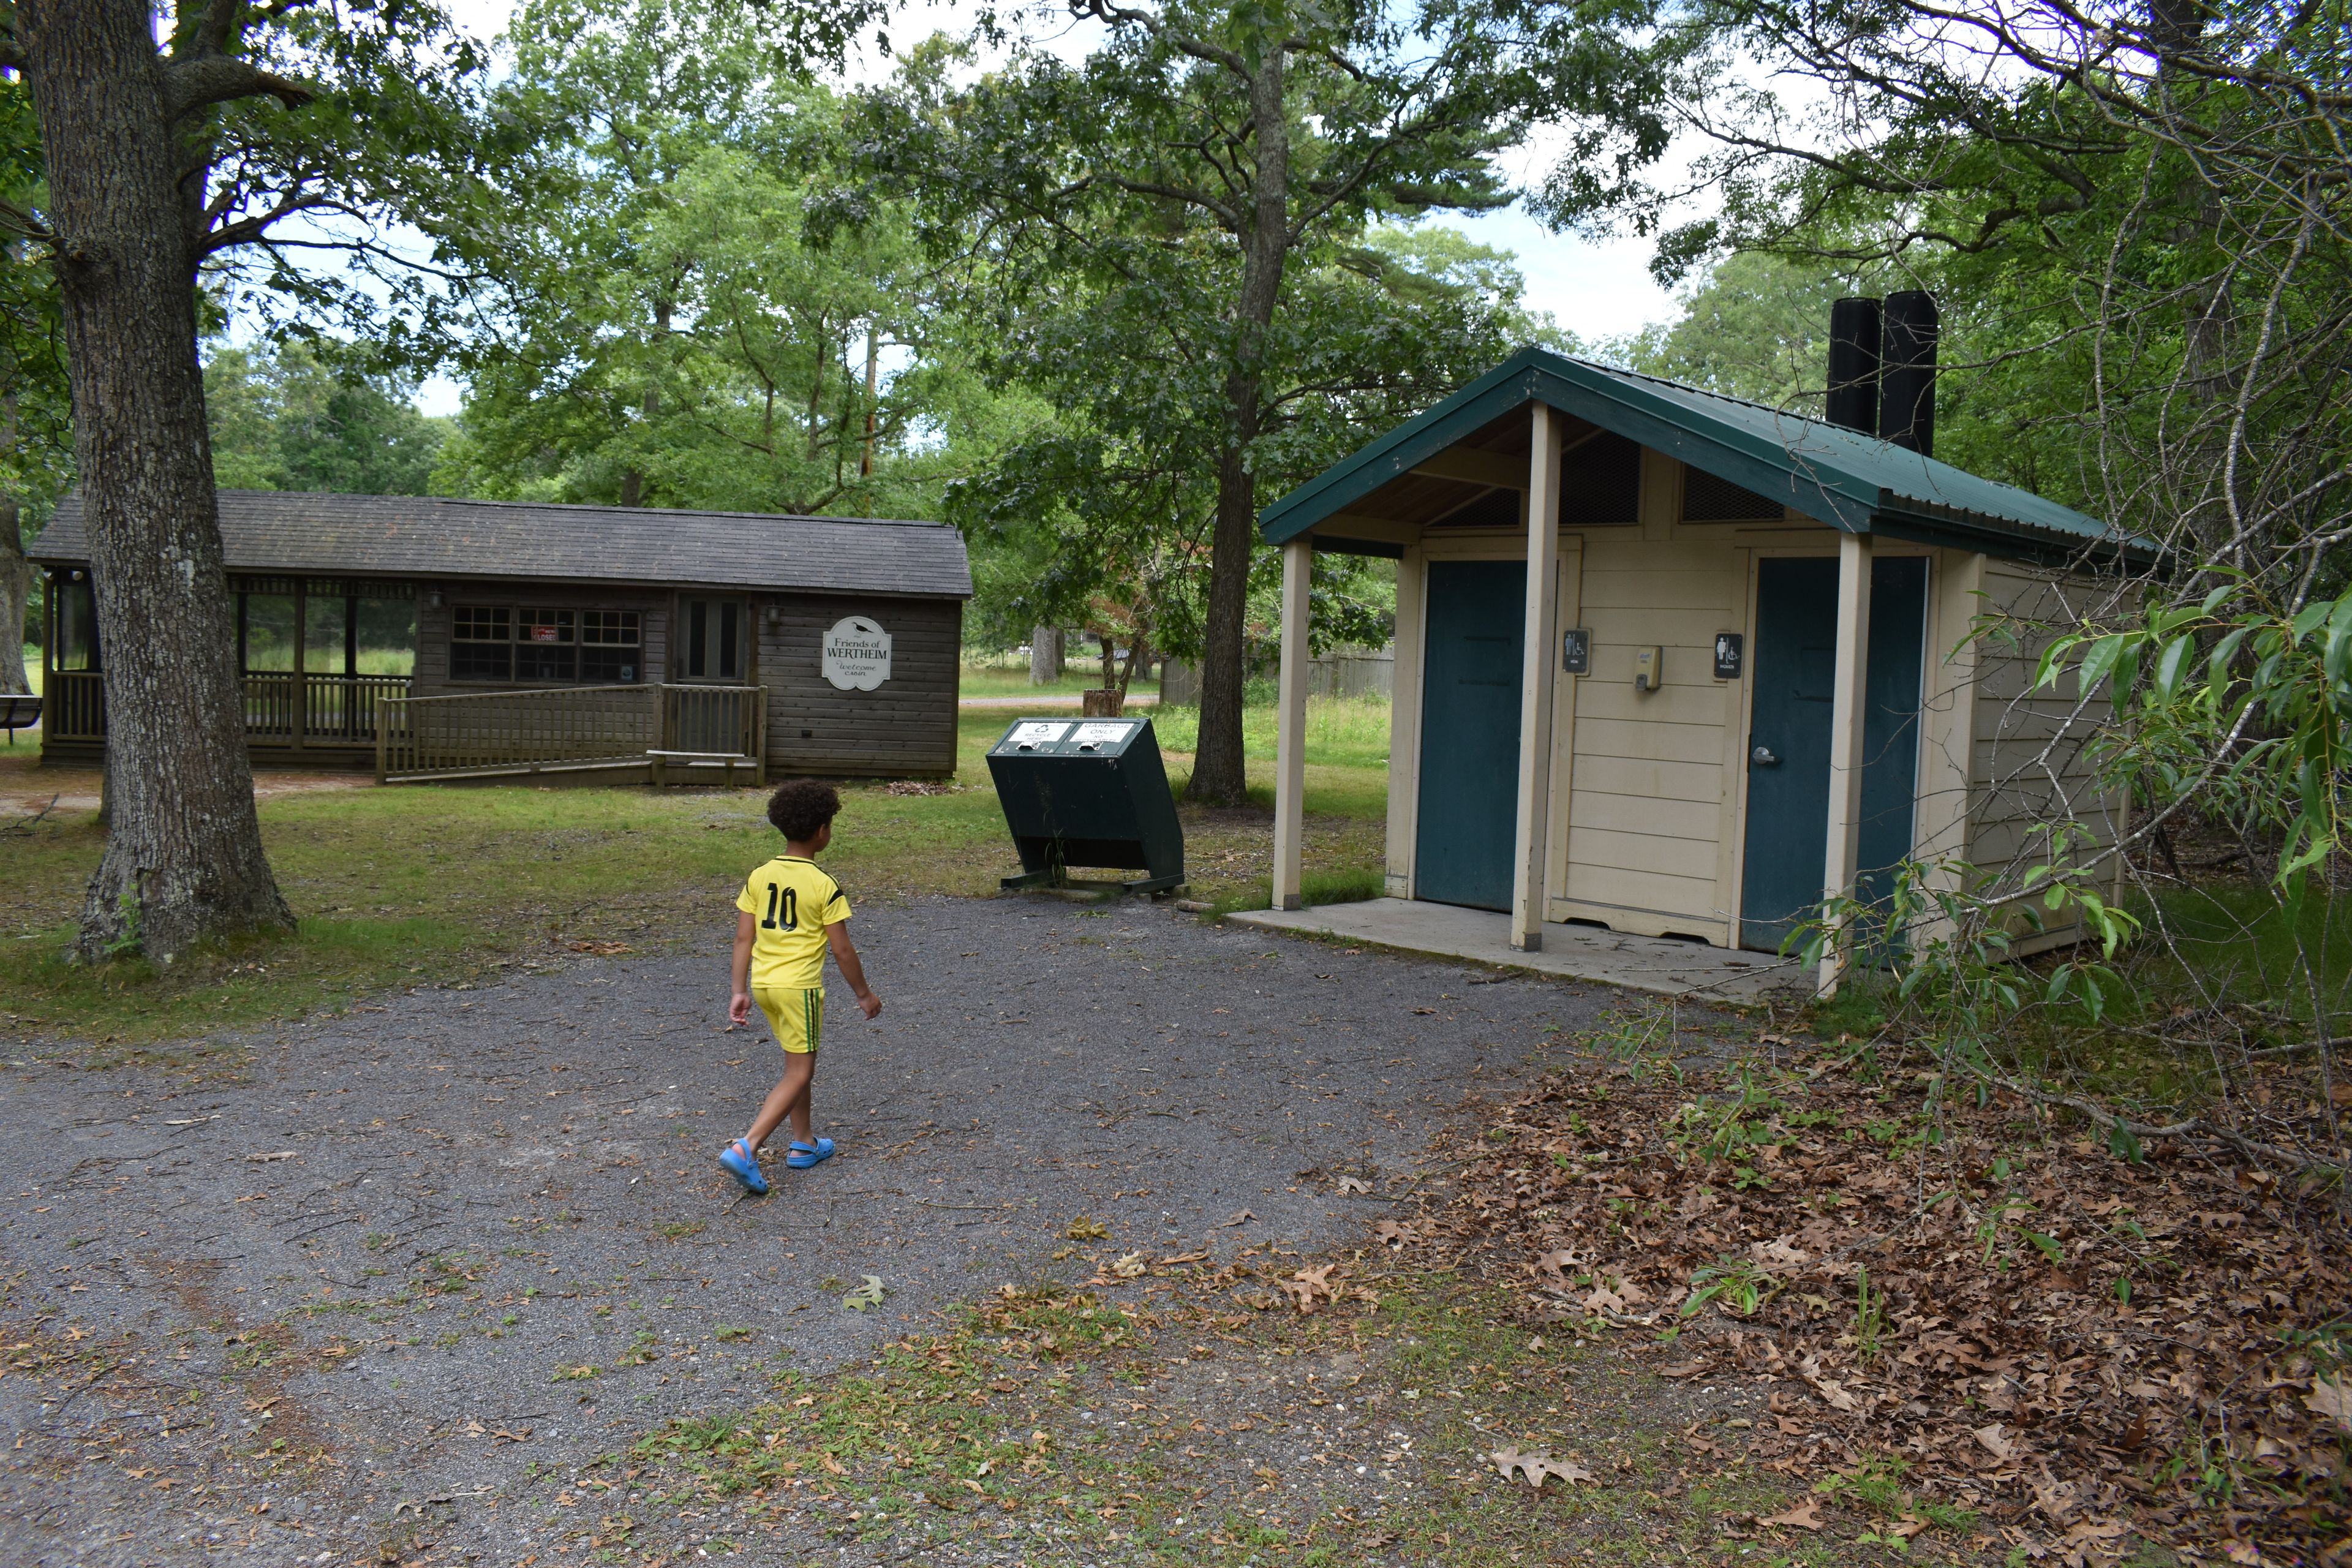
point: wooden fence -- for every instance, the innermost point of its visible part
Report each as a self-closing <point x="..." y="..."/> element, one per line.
<point x="1333" y="675"/>
<point x="499" y="735"/>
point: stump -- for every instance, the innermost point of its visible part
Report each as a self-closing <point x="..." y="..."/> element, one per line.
<point x="1101" y="703"/>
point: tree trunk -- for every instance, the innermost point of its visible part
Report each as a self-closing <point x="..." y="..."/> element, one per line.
<point x="15" y="596"/>
<point x="1045" y="656"/>
<point x="183" y="859"/>
<point x="1218" y="777"/>
<point x="1138" y="649"/>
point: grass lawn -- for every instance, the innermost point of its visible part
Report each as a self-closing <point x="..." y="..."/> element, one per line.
<point x="429" y="885"/>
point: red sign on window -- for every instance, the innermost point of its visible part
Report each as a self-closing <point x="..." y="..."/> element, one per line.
<point x="542" y="632"/>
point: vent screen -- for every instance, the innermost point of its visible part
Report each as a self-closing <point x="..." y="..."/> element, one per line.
<point x="1707" y="498"/>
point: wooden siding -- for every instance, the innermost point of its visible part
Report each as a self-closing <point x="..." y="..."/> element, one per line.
<point x="433" y="625"/>
<point x="906" y="726"/>
<point x="2030" y="752"/>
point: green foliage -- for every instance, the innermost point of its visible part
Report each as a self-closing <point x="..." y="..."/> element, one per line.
<point x="309" y="416"/>
<point x="1755" y="326"/>
<point x="1741" y="1285"/>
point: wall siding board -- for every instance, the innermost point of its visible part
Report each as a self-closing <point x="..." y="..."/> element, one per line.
<point x="908" y="725"/>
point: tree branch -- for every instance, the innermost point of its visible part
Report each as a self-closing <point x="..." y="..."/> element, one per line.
<point x="208" y="79"/>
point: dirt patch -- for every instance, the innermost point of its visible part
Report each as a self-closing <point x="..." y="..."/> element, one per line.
<point x="1955" y="1305"/>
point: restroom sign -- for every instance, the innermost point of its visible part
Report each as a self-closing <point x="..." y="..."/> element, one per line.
<point x="856" y="656"/>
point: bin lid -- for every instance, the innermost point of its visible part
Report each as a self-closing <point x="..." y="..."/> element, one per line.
<point x="1069" y="737"/>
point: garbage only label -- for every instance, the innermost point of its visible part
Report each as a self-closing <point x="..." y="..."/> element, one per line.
<point x="856" y="655"/>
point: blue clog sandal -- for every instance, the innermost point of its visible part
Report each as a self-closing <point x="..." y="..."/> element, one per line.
<point x="744" y="1166"/>
<point x="801" y="1155"/>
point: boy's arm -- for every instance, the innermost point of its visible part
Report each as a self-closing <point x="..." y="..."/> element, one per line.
<point x="845" y="958"/>
<point x="739" y="1008"/>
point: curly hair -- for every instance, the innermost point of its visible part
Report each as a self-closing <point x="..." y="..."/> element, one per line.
<point x="802" y="806"/>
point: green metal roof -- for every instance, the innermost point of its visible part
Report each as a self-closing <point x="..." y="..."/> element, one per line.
<point x="1853" y="482"/>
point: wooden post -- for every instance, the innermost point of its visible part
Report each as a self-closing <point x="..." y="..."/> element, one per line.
<point x="1290" y="728"/>
<point x="1404" y="725"/>
<point x="300" y="724"/>
<point x="1530" y="854"/>
<point x="1847" y="711"/>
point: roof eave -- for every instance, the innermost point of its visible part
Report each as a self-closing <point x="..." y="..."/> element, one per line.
<point x="1821" y="490"/>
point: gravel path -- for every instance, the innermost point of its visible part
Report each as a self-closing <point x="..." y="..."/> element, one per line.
<point x="356" y="1275"/>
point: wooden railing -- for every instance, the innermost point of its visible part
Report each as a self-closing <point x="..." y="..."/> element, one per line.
<point x="489" y="735"/>
<point x="75" y="705"/>
<point x="322" y="711"/>
<point x="482" y="734"/>
<point x="317" y="709"/>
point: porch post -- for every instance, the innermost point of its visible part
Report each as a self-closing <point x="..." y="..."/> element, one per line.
<point x="1530" y="854"/>
<point x="1847" y="711"/>
<point x="1290" y="727"/>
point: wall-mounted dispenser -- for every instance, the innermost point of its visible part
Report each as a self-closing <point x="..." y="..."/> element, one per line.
<point x="1649" y="668"/>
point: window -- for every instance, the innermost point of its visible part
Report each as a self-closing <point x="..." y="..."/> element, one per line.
<point x="609" y="642"/>
<point x="547" y="645"/>
<point x="344" y="628"/>
<point x="481" y="643"/>
<point x="542" y="647"/>
<point x="77" y="622"/>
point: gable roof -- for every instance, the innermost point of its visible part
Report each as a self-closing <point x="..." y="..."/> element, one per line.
<point x="1853" y="482"/>
<point x="305" y="534"/>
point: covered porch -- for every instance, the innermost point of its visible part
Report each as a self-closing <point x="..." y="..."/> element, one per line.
<point x="1671" y="668"/>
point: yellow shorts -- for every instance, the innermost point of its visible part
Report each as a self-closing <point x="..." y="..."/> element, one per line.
<point x="797" y="1017"/>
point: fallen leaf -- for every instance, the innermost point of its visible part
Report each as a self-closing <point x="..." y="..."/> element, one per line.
<point x="1086" y="1227"/>
<point x="1994" y="1441"/>
<point x="1130" y="1266"/>
<point x="1354" y="1184"/>
<point x="601" y="948"/>
<point x="503" y="1436"/>
<point x="1536" y="1465"/>
<point x="1685" y="1368"/>
<point x="1392" y="1234"/>
<point x="833" y="1466"/>
<point x="1777" y="1251"/>
<point x="1183" y="1257"/>
<point x="265" y="1158"/>
<point x="867" y="1294"/>
<point x="1426" y="1012"/>
<point x="1240" y="1216"/>
<point x="2331" y="1397"/>
<point x="1603" y="1300"/>
<point x="1806" y="1515"/>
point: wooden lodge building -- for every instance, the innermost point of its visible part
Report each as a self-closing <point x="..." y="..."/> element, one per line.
<point x="1674" y="664"/>
<point x="434" y="638"/>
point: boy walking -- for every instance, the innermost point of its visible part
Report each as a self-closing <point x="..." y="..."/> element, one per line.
<point x="790" y="913"/>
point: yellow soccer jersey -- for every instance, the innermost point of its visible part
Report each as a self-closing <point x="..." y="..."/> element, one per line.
<point x="791" y="902"/>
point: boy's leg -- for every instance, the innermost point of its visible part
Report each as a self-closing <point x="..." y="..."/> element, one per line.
<point x="790" y="1097"/>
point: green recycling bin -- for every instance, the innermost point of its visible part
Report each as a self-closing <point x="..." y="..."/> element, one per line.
<point x="1088" y="793"/>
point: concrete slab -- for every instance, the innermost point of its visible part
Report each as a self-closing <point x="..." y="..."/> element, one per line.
<point x="1573" y="951"/>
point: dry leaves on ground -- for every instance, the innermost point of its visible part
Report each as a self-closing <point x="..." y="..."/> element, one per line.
<point x="2036" y="1329"/>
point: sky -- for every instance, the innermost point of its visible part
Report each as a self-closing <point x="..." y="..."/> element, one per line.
<point x="1595" y="288"/>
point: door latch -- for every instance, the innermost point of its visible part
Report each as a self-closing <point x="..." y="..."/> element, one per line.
<point x="1764" y="757"/>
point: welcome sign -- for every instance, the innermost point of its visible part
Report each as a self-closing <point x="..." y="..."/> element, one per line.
<point x="856" y="655"/>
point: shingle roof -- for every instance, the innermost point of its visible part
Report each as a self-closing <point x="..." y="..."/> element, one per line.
<point x="1852" y="481"/>
<point x="304" y="533"/>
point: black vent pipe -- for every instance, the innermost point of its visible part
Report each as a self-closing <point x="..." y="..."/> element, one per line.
<point x="1854" y="364"/>
<point x="1907" y="372"/>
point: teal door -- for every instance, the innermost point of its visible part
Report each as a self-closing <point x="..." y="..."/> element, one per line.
<point x="1890" y="724"/>
<point x="1789" y="735"/>
<point x="1476" y="613"/>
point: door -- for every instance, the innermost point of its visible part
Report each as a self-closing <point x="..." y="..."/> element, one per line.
<point x="711" y="651"/>
<point x="1890" y="725"/>
<point x="1476" y="620"/>
<point x="1789" y="735"/>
